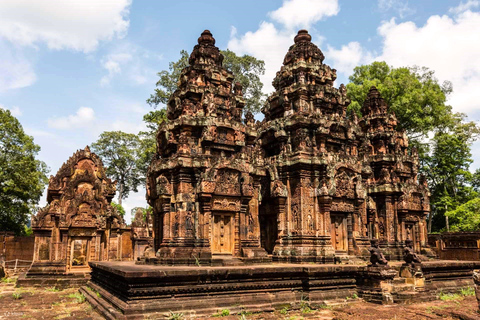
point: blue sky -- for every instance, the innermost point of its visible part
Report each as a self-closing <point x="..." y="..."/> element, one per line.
<point x="73" y="69"/>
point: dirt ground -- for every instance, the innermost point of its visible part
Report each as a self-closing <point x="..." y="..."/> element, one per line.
<point x="42" y="303"/>
<point x="48" y="303"/>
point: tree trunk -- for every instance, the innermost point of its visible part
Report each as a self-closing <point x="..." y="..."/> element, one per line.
<point x="430" y="218"/>
<point x="120" y="194"/>
<point x="446" y="219"/>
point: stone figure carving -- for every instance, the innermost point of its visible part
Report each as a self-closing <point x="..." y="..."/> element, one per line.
<point x="376" y="256"/>
<point x="409" y="255"/>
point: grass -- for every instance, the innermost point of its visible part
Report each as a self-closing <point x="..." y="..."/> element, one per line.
<point x="451" y="296"/>
<point x="175" y="316"/>
<point x="80" y="298"/>
<point x="305" y="305"/>
<point x="468" y="291"/>
<point x="8" y="280"/>
<point x="17" y="295"/>
<point x="52" y="289"/>
<point x="284" y="310"/>
<point x="223" y="313"/>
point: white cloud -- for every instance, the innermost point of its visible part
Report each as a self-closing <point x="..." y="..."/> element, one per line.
<point x="15" y="70"/>
<point x="131" y="61"/>
<point x="267" y="44"/>
<point x="83" y="117"/>
<point x="113" y="64"/>
<point x="347" y="57"/>
<point x="304" y="13"/>
<point x="76" y="24"/>
<point x="15" y="111"/>
<point x="401" y="7"/>
<point x="464" y="6"/>
<point x="270" y="43"/>
<point x="448" y="45"/>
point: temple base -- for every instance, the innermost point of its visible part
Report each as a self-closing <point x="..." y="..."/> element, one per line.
<point x="122" y="290"/>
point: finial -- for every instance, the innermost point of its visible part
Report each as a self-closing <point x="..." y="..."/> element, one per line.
<point x="206" y="38"/>
<point x="303" y="36"/>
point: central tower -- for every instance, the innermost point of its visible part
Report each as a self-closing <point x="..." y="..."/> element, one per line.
<point x="202" y="181"/>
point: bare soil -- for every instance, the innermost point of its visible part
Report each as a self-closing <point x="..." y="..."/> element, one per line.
<point x="43" y="303"/>
<point x="48" y="303"/>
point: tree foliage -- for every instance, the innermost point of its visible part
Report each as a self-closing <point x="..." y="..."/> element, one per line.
<point x="119" y="152"/>
<point x="447" y="168"/>
<point x="22" y="176"/>
<point x="414" y="94"/>
<point x="246" y="69"/>
<point x="465" y="217"/>
<point x="444" y="138"/>
<point x="148" y="145"/>
<point x="120" y="209"/>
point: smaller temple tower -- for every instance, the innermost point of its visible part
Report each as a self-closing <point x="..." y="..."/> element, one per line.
<point x="78" y="224"/>
<point x="401" y="202"/>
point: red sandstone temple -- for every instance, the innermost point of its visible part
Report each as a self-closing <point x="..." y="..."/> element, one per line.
<point x="79" y="224"/>
<point x="311" y="182"/>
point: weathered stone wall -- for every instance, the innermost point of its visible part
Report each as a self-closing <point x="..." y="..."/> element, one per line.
<point x="16" y="247"/>
<point x="456" y="245"/>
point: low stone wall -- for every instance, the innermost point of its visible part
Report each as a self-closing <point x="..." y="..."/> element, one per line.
<point x="456" y="245"/>
<point x="16" y="247"/>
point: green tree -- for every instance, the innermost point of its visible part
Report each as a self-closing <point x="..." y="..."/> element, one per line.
<point x="466" y="217"/>
<point x="246" y="69"/>
<point x="120" y="209"/>
<point x="119" y="152"/>
<point x="22" y="176"/>
<point x="414" y="94"/>
<point x="443" y="138"/>
<point x="447" y="169"/>
<point x="147" y="138"/>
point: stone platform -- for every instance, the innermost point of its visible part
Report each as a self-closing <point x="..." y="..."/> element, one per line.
<point x="123" y="290"/>
<point x="53" y="274"/>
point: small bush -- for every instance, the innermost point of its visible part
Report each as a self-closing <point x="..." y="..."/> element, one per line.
<point x="17" y="295"/>
<point x="52" y="289"/>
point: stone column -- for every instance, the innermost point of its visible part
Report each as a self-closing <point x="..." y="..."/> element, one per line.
<point x="389" y="219"/>
<point x="350" y="233"/>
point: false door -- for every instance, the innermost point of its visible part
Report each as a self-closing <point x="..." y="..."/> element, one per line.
<point x="339" y="232"/>
<point x="79" y="253"/>
<point x="222" y="235"/>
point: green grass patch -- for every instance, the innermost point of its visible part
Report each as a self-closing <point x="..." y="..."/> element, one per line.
<point x="17" y="295"/>
<point x="223" y="313"/>
<point x="80" y="298"/>
<point x="8" y="280"/>
<point x="175" y="316"/>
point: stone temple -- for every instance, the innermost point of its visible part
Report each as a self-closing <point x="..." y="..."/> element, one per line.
<point x="78" y="225"/>
<point x="253" y="216"/>
<point x="308" y="183"/>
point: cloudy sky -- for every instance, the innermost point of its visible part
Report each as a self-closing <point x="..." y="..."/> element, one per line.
<point x="71" y="69"/>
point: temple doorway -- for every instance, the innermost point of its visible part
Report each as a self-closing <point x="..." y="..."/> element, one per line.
<point x="268" y="229"/>
<point x="223" y="233"/>
<point x="79" y="254"/>
<point x="339" y="232"/>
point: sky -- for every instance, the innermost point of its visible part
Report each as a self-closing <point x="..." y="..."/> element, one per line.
<point x="71" y="69"/>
